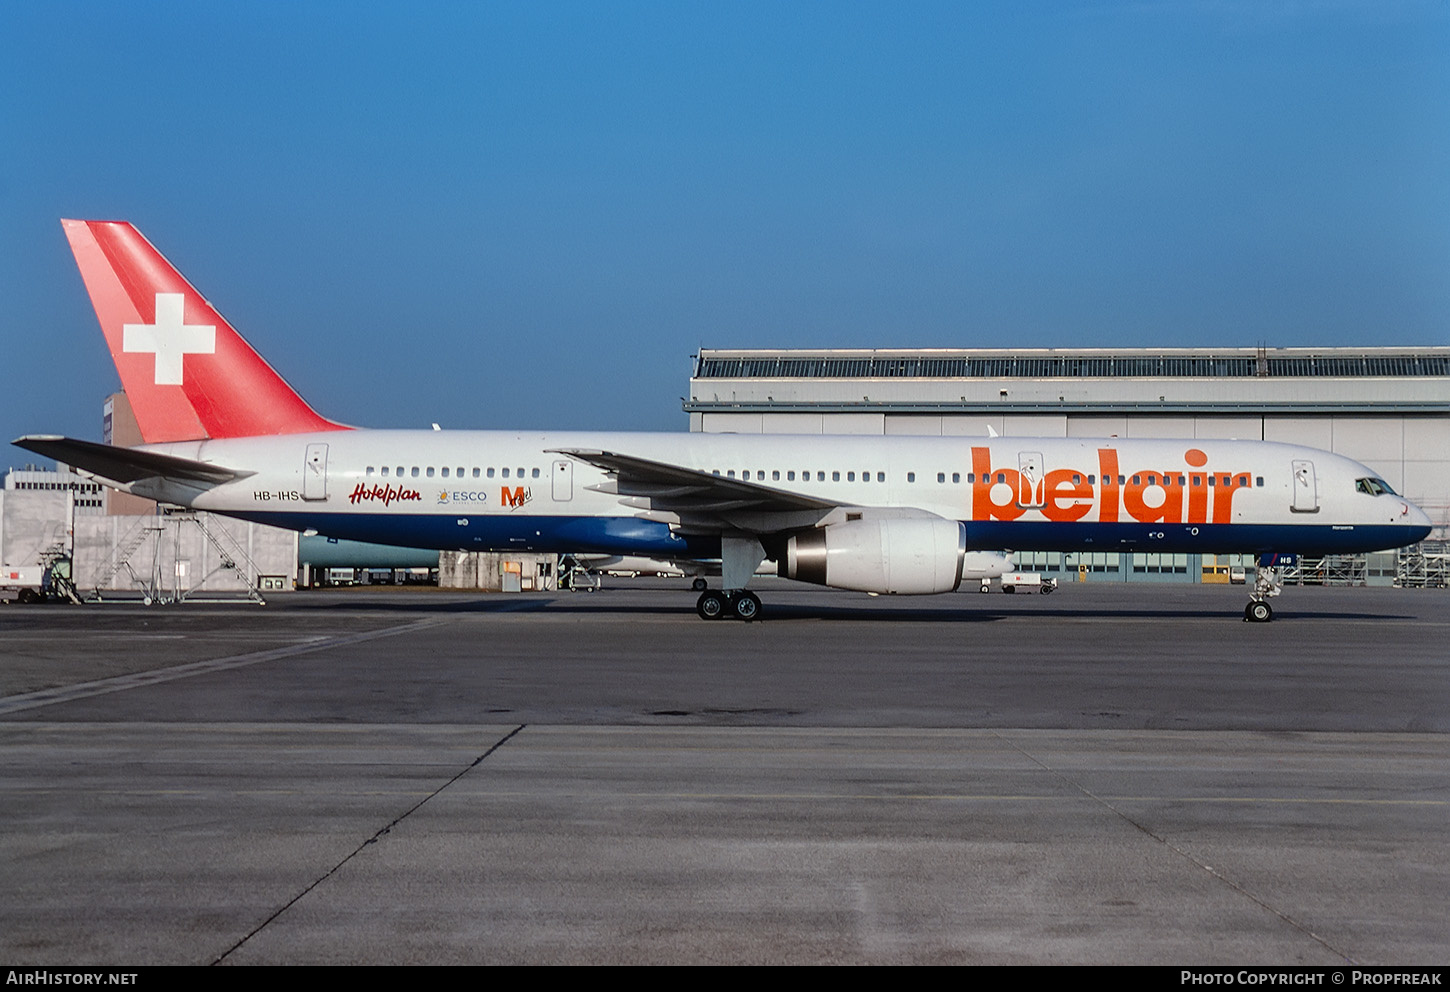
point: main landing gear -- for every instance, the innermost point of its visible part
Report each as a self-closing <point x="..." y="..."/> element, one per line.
<point x="1267" y="584"/>
<point x="722" y="604"/>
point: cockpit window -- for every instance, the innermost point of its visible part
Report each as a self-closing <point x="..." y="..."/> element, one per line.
<point x="1373" y="487"/>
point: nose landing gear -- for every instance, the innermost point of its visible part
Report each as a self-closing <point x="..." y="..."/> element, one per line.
<point x="1267" y="584"/>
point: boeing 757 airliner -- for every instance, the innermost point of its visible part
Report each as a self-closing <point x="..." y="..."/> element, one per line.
<point x="881" y="514"/>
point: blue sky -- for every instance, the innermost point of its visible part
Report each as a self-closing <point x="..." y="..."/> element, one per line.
<point x="532" y="214"/>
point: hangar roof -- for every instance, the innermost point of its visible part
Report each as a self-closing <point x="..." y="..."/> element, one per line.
<point x="1305" y="380"/>
<point x="1049" y="363"/>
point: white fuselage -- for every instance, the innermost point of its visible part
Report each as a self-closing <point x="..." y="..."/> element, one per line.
<point x="476" y="490"/>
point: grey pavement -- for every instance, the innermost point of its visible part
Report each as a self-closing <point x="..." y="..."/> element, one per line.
<point x="1111" y="774"/>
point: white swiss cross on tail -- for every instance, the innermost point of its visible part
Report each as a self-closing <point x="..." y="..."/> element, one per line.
<point x="169" y="339"/>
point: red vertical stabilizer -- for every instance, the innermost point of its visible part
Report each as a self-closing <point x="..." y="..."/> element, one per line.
<point x="187" y="373"/>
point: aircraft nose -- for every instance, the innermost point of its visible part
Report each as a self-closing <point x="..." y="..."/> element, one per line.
<point x="1418" y="518"/>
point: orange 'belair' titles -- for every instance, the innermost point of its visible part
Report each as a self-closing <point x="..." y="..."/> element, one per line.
<point x="1064" y="495"/>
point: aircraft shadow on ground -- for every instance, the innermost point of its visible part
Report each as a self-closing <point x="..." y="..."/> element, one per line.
<point x="795" y="612"/>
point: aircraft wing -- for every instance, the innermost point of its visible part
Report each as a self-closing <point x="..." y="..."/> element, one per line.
<point x="124" y="466"/>
<point x="700" y="502"/>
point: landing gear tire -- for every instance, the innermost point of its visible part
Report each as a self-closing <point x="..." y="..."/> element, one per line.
<point x="1258" y="612"/>
<point x="747" y="606"/>
<point x="699" y="585"/>
<point x="711" y="605"/>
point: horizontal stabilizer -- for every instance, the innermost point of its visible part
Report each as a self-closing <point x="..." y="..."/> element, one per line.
<point x="127" y="465"/>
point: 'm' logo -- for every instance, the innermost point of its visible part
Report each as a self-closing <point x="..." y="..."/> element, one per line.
<point x="169" y="339"/>
<point x="518" y="497"/>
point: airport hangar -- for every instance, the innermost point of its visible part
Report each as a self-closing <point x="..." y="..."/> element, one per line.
<point x="1388" y="408"/>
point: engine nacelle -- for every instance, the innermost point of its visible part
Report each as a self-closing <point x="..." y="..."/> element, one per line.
<point x="906" y="555"/>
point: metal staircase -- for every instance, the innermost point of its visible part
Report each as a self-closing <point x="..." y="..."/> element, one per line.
<point x="121" y="558"/>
